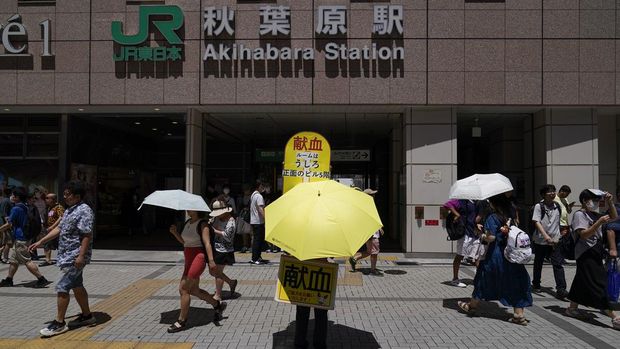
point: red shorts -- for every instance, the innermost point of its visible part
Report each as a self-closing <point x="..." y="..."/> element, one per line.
<point x="194" y="262"/>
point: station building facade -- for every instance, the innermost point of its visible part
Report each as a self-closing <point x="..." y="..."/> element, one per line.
<point x="134" y="96"/>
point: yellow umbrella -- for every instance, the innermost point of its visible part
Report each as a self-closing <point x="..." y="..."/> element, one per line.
<point x="321" y="219"/>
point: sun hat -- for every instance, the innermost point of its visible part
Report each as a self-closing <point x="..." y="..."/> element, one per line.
<point x="370" y="191"/>
<point x="219" y="208"/>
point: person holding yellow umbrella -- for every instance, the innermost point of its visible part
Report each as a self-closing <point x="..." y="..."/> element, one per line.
<point x="316" y="220"/>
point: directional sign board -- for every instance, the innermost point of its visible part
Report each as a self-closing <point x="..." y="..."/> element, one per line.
<point x="351" y="155"/>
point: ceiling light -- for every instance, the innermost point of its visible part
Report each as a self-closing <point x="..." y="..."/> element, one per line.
<point x="80" y="109"/>
<point x="175" y="122"/>
<point x="169" y="134"/>
<point x="137" y="123"/>
<point x="156" y="109"/>
<point x="7" y="109"/>
<point x="154" y="129"/>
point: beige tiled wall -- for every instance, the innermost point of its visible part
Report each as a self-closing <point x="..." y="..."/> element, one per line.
<point x="521" y="52"/>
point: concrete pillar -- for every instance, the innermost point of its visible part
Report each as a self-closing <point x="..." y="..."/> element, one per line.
<point x="194" y="150"/>
<point x="566" y="149"/>
<point x="395" y="167"/>
<point x="430" y="151"/>
<point x="607" y="152"/>
<point x="62" y="153"/>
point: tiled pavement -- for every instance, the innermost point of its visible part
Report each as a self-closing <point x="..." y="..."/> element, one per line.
<point x="135" y="296"/>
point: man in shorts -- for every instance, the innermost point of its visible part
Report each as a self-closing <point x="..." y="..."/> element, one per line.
<point x="372" y="247"/>
<point x="5" y="237"/>
<point x="469" y="245"/>
<point x="19" y="254"/>
<point x="75" y="236"/>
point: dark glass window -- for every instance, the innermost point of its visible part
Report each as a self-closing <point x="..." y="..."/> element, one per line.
<point x="42" y="145"/>
<point x="43" y="123"/>
<point x="11" y="145"/>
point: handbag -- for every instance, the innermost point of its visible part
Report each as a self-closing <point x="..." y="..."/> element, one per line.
<point x="613" y="280"/>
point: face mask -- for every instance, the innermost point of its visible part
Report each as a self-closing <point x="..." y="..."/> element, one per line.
<point x="267" y="191"/>
<point x="592" y="206"/>
<point x="226" y="191"/>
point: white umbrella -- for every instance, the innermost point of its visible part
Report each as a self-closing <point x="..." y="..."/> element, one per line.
<point x="177" y="200"/>
<point x="480" y="186"/>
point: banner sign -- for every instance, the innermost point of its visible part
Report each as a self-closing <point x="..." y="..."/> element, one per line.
<point x="306" y="159"/>
<point x="307" y="283"/>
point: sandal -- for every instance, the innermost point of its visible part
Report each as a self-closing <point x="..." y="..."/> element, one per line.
<point x="519" y="320"/>
<point x="179" y="325"/>
<point x="466" y="308"/>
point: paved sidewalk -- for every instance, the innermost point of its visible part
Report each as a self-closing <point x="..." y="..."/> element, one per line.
<point x="135" y="297"/>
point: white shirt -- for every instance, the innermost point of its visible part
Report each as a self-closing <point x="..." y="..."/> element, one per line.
<point x="190" y="236"/>
<point x="255" y="201"/>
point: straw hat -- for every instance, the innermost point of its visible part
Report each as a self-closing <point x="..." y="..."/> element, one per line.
<point x="219" y="208"/>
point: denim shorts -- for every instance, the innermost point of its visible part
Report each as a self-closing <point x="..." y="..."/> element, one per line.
<point x="71" y="277"/>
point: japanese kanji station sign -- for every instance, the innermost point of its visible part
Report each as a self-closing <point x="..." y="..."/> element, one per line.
<point x="275" y="22"/>
<point x="306" y="159"/>
<point x="219" y="26"/>
<point x="307" y="283"/>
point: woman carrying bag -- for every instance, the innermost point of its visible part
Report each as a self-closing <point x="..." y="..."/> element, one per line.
<point x="497" y="278"/>
<point x="589" y="287"/>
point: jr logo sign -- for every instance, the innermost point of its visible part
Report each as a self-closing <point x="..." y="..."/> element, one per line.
<point x="167" y="19"/>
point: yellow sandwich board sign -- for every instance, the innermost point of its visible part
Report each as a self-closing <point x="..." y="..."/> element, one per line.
<point x="307" y="283"/>
<point x="306" y="159"/>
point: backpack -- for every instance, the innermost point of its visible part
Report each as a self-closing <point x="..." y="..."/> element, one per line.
<point x="456" y="229"/>
<point x="543" y="212"/>
<point x="518" y="246"/>
<point x="567" y="245"/>
<point x="32" y="226"/>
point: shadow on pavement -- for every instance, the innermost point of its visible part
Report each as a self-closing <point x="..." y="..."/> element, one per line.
<point x="196" y="317"/>
<point x="226" y="295"/>
<point x="338" y="336"/>
<point x="589" y="316"/>
<point x="489" y="310"/>
<point x="549" y="291"/>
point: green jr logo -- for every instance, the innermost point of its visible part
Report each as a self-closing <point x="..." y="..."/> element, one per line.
<point x="132" y="50"/>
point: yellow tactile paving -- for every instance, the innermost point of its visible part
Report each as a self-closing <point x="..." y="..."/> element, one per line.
<point x="114" y="306"/>
<point x="74" y="344"/>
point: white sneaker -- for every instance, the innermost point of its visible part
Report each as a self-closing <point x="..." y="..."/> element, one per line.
<point x="54" y="328"/>
<point x="457" y="283"/>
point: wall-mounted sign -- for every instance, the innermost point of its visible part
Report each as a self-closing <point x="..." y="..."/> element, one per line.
<point x="432" y="176"/>
<point x="14" y="37"/>
<point x="431" y="222"/>
<point x="167" y="19"/>
<point x="275" y="23"/>
<point x="351" y="155"/>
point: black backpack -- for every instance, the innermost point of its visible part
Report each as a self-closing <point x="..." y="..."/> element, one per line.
<point x="32" y="226"/>
<point x="543" y="212"/>
<point x="456" y="229"/>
